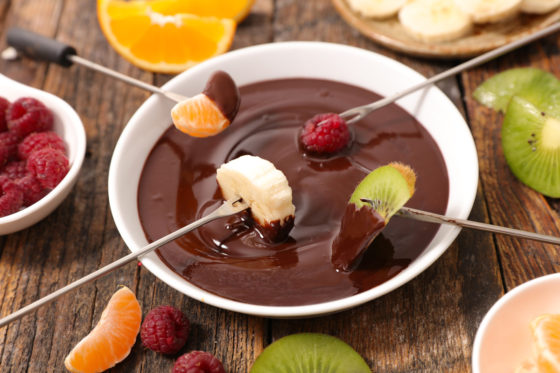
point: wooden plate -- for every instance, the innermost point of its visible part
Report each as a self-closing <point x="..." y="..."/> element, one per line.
<point x="391" y="34"/>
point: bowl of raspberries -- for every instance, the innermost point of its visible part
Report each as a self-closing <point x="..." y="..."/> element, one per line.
<point x="42" y="148"/>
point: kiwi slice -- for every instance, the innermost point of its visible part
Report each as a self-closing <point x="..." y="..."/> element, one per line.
<point x="309" y="352"/>
<point x="386" y="189"/>
<point x="539" y="87"/>
<point x="531" y="144"/>
<point x="374" y="201"/>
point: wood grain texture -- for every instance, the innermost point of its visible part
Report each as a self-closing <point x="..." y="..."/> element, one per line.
<point x="427" y="325"/>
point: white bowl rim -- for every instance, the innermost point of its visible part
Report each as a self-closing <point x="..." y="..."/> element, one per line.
<point x="152" y="262"/>
<point x="60" y="107"/>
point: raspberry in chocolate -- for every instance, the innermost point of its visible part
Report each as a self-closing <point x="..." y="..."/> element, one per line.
<point x="198" y="362"/>
<point x="27" y="115"/>
<point x="4" y="105"/>
<point x="49" y="166"/>
<point x="40" y="140"/>
<point x="165" y="329"/>
<point x="325" y="134"/>
<point x="8" y="146"/>
<point x="12" y="198"/>
<point x="32" y="189"/>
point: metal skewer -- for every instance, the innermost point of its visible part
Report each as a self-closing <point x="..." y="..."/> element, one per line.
<point x="355" y="114"/>
<point x="40" y="47"/>
<point x="430" y="217"/>
<point x="228" y="208"/>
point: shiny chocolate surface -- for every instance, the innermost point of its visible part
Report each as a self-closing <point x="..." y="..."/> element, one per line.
<point x="228" y="257"/>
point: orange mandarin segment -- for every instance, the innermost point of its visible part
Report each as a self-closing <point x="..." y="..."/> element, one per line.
<point x="546" y="334"/>
<point x="166" y="42"/>
<point x="112" y="338"/>
<point x="199" y="117"/>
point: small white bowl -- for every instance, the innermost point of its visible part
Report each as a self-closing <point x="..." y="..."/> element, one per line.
<point x="295" y="60"/>
<point x="69" y="126"/>
<point x="503" y="340"/>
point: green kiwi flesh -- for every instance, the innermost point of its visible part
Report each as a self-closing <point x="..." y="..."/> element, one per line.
<point x="309" y="353"/>
<point x="531" y="144"/>
<point x="387" y="188"/>
<point x="539" y="87"/>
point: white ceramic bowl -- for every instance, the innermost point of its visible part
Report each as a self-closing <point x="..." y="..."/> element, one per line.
<point x="70" y="127"/>
<point x="503" y="340"/>
<point x="297" y="59"/>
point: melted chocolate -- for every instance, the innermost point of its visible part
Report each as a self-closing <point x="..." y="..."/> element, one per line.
<point x="223" y="91"/>
<point x="358" y="229"/>
<point x="227" y="257"/>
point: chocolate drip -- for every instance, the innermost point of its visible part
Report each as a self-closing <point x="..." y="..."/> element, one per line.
<point x="358" y="229"/>
<point x="223" y="91"/>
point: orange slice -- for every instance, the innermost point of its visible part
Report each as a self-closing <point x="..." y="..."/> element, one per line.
<point x="112" y="338"/>
<point x="234" y="9"/>
<point x="546" y="335"/>
<point x="162" y="43"/>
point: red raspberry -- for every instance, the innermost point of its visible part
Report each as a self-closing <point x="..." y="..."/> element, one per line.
<point x="40" y="140"/>
<point x="15" y="170"/>
<point x="28" y="115"/>
<point x="198" y="362"/>
<point x="49" y="166"/>
<point x="8" y="146"/>
<point x="12" y="198"/>
<point x="4" y="105"/>
<point x="32" y="189"/>
<point x="165" y="329"/>
<point x="325" y="134"/>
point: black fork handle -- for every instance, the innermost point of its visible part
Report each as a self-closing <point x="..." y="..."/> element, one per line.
<point x="39" y="47"/>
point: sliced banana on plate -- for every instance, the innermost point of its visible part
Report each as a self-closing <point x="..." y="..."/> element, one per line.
<point x="489" y="11"/>
<point x="377" y="9"/>
<point x="264" y="188"/>
<point x="435" y="20"/>
<point x="539" y="6"/>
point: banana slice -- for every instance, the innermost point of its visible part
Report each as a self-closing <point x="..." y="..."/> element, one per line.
<point x="489" y="11"/>
<point x="434" y="20"/>
<point x="377" y="9"/>
<point x="265" y="189"/>
<point x="539" y="6"/>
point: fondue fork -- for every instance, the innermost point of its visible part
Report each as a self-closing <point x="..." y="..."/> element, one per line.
<point x="228" y="208"/>
<point x="355" y="114"/>
<point x="40" y="47"/>
<point x="431" y="217"/>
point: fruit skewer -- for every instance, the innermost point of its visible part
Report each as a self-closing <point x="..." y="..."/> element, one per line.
<point x="355" y="114"/>
<point x="202" y="115"/>
<point x="431" y="217"/>
<point x="228" y="208"/>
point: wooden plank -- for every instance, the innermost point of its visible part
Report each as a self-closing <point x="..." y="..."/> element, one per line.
<point x="510" y="202"/>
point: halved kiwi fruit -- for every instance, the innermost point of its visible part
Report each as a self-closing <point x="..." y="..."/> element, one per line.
<point x="531" y="144"/>
<point x="539" y="87"/>
<point x="309" y="352"/>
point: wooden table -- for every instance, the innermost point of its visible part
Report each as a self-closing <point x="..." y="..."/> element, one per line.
<point x="426" y="325"/>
